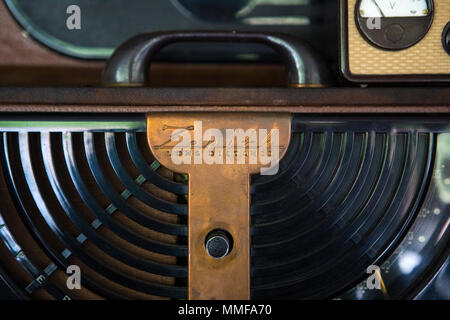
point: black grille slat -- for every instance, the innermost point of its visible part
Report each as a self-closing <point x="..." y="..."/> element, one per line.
<point x="141" y="164"/>
<point x="118" y="202"/>
<point x="44" y="184"/>
<point x="274" y="182"/>
<point x="129" y="183"/>
<point x="44" y="243"/>
<point x="283" y="196"/>
<point x="28" y="265"/>
<point x="321" y="203"/>
<point x="346" y="194"/>
<point x="87" y="229"/>
<point x="121" y="230"/>
<point x="338" y="213"/>
<point x="73" y="246"/>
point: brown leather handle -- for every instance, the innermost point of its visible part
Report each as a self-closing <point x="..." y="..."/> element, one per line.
<point x="130" y="63"/>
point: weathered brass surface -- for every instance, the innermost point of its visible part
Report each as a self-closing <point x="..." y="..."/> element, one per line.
<point x="218" y="198"/>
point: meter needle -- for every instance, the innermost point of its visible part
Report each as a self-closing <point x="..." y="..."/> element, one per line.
<point x="379" y="8"/>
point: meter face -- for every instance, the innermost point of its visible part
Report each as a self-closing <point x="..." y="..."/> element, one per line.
<point x="393" y="8"/>
<point x="394" y="24"/>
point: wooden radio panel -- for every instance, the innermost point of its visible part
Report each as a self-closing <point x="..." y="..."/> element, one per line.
<point x="362" y="61"/>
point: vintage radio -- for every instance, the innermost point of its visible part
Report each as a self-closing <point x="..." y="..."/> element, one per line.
<point x="401" y="41"/>
<point x="316" y="190"/>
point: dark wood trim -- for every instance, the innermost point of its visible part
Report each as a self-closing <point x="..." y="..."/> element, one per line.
<point x="307" y="100"/>
<point x="95" y="109"/>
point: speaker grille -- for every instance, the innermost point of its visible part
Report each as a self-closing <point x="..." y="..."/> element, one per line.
<point x="341" y="199"/>
<point x="350" y="193"/>
<point x="98" y="201"/>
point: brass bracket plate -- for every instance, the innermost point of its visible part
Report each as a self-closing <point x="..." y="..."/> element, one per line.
<point x="219" y="193"/>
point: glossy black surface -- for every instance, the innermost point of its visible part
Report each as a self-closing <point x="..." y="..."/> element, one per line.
<point x="351" y="192"/>
<point x="413" y="265"/>
<point x="346" y="195"/>
<point x="47" y="173"/>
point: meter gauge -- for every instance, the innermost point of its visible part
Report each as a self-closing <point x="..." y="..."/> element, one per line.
<point x="408" y="270"/>
<point x="394" y="24"/>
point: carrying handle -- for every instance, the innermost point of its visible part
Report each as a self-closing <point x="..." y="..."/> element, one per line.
<point x="129" y="64"/>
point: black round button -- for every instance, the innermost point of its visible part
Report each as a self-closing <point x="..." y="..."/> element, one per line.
<point x="394" y="32"/>
<point x="446" y="38"/>
<point x="218" y="244"/>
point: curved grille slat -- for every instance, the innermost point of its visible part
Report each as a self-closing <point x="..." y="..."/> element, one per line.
<point x="141" y="165"/>
<point x="296" y="164"/>
<point x="352" y="221"/>
<point x="294" y="233"/>
<point x="87" y="229"/>
<point x="258" y="181"/>
<point x="343" y="199"/>
<point x="339" y="213"/>
<point x="82" y="225"/>
<point x="56" y="256"/>
<point x="131" y="185"/>
<point x="73" y="246"/>
<point x="121" y="230"/>
<point x="322" y="197"/>
<point x="272" y="202"/>
<point x="27" y="264"/>
<point x="118" y="202"/>
<point x="354" y="187"/>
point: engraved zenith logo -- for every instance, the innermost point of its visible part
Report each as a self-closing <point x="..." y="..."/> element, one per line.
<point x="190" y="145"/>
